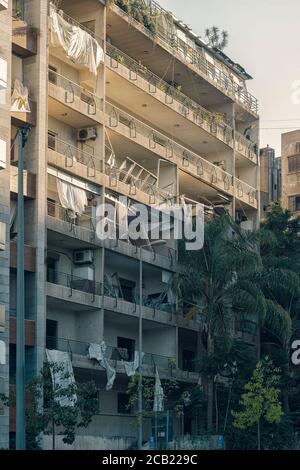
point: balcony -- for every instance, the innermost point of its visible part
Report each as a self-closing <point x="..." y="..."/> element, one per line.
<point x="29" y="257"/>
<point x="29" y="182"/>
<point x="72" y="103"/>
<point x="246" y="148"/>
<point x="126" y="125"/>
<point x="24" y="38"/>
<point x="246" y="193"/>
<point x="19" y="119"/>
<point x="81" y="233"/>
<point x="157" y="89"/>
<point x="78" y="351"/>
<point x="64" y="155"/>
<point x="217" y="75"/>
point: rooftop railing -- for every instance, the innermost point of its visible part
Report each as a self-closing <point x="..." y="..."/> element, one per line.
<point x="73" y="90"/>
<point x="195" y="56"/>
<point x="188" y="107"/>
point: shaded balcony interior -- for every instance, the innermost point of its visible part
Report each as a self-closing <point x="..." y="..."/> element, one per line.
<point x="24" y="33"/>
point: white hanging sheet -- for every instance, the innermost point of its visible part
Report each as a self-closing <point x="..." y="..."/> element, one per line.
<point x="71" y="197"/>
<point x="97" y="352"/>
<point x="63" y="360"/>
<point x="2" y="353"/>
<point x="158" y="404"/>
<point x="19" y="98"/>
<point x="131" y="367"/>
<point x="78" y="44"/>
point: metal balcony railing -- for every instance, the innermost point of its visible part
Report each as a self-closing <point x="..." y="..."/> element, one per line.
<point x="114" y="354"/>
<point x="206" y="170"/>
<point x="73" y="90"/>
<point x="245" y="191"/>
<point x="246" y="147"/>
<point x="57" y="211"/>
<point x="72" y="154"/>
<point x="73" y="282"/>
<point x="194" y="56"/>
<point x="188" y="107"/>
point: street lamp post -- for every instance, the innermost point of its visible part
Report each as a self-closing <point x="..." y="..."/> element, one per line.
<point x="20" y="359"/>
<point x="140" y="384"/>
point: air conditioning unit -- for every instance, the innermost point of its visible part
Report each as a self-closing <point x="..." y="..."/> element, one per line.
<point x="87" y="133"/>
<point x="83" y="273"/>
<point x="83" y="257"/>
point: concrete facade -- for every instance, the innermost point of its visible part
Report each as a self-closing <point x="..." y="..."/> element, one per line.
<point x="270" y="179"/>
<point x="157" y="136"/>
<point x="290" y="165"/>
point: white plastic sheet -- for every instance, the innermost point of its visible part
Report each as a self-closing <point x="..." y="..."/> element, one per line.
<point x="97" y="352"/>
<point x="2" y="353"/>
<point x="19" y="98"/>
<point x="63" y="360"/>
<point x="158" y="404"/>
<point x="71" y="197"/>
<point x="78" y="44"/>
<point x="131" y="367"/>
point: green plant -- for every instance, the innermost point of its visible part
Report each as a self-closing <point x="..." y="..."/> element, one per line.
<point x="216" y="38"/>
<point x="261" y="399"/>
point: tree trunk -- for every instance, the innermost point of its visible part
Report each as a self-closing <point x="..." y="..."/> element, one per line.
<point x="210" y="387"/>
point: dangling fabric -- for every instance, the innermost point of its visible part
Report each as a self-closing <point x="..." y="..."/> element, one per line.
<point x="158" y="404"/>
<point x="97" y="352"/>
<point x="78" y="44"/>
<point x="2" y="353"/>
<point x="71" y="197"/>
<point x="19" y="98"/>
<point x="62" y="359"/>
<point x="131" y="367"/>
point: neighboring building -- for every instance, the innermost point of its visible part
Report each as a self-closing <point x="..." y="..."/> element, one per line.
<point x="290" y="167"/>
<point x="270" y="179"/>
<point x="138" y="127"/>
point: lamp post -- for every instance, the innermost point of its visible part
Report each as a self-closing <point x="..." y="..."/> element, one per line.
<point x="140" y="384"/>
<point x="20" y="360"/>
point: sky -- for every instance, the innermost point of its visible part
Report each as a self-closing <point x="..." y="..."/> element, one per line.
<point x="264" y="39"/>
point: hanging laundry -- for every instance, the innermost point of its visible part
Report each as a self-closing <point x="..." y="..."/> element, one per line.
<point x="63" y="378"/>
<point x="71" y="197"/>
<point x="19" y="98"/>
<point x="79" y="45"/>
<point x="131" y="367"/>
<point x="97" y="352"/>
<point x="158" y="404"/>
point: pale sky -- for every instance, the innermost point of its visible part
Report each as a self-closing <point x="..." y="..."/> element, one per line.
<point x="264" y="37"/>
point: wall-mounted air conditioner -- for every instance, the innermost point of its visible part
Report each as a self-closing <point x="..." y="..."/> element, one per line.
<point x="83" y="273"/>
<point x="2" y="154"/>
<point x="87" y="133"/>
<point x="3" y="74"/>
<point x="83" y="257"/>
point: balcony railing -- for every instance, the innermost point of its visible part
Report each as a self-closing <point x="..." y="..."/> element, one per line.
<point x="73" y="282"/>
<point x="72" y="154"/>
<point x="246" y="147"/>
<point x="204" y="169"/>
<point x="74" y="91"/>
<point x="84" y="221"/>
<point x="188" y="108"/>
<point x="245" y="191"/>
<point x="194" y="56"/>
<point x="112" y="353"/>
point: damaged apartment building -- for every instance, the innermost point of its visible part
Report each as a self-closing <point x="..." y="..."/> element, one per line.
<point x="117" y="106"/>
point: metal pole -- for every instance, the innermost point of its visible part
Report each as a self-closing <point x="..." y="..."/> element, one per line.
<point x="140" y="385"/>
<point x="20" y="362"/>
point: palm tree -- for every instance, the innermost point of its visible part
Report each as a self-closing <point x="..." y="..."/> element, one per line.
<point x="216" y="38"/>
<point x="230" y="281"/>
